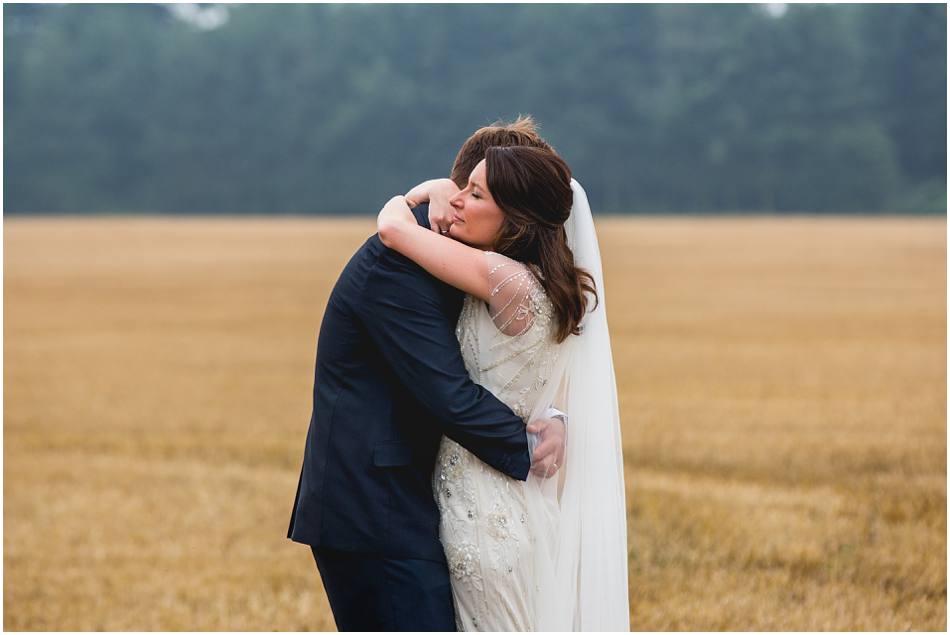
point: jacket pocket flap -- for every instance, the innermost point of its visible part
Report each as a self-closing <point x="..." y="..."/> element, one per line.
<point x="391" y="454"/>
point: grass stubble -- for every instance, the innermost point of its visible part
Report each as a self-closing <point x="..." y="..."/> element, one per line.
<point x="783" y="397"/>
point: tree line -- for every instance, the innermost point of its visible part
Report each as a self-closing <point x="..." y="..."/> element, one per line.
<point x="333" y="108"/>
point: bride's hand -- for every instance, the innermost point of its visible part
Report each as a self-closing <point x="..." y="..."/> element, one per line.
<point x="437" y="192"/>
<point x="394" y="216"/>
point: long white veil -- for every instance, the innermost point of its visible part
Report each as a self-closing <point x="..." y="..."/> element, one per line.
<point x="581" y="561"/>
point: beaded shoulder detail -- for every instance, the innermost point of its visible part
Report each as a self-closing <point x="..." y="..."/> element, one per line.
<point x="516" y="298"/>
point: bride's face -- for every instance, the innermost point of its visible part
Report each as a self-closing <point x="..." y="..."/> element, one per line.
<point x="477" y="218"/>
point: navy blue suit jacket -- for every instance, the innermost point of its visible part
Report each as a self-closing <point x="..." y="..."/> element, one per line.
<point x="389" y="382"/>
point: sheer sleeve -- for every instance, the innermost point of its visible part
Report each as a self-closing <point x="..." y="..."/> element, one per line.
<point x="513" y="291"/>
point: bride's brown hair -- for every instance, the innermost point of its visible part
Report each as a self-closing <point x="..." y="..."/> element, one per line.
<point x="532" y="186"/>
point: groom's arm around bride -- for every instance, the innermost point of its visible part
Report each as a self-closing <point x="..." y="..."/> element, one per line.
<point x="389" y="382"/>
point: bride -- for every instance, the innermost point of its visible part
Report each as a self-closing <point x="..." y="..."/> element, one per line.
<point x="550" y="553"/>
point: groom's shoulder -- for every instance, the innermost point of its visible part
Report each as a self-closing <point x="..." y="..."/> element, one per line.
<point x="384" y="253"/>
<point x="382" y="257"/>
<point x="392" y="270"/>
<point x="374" y="246"/>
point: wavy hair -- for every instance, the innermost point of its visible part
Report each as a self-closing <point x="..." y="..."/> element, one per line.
<point x="532" y="186"/>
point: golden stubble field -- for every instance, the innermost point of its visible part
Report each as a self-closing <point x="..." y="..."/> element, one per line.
<point x="783" y="396"/>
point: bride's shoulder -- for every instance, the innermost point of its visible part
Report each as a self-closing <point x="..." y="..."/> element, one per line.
<point x="517" y="300"/>
<point x="501" y="265"/>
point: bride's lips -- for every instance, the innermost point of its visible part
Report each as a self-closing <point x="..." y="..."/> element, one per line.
<point x="456" y="219"/>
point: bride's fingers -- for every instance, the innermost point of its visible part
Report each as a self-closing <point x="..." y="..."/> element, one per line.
<point x="441" y="225"/>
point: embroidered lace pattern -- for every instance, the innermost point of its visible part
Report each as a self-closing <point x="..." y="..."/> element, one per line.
<point x="508" y="347"/>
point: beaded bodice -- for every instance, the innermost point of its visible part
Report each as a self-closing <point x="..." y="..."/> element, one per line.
<point x="508" y="344"/>
<point x="508" y="347"/>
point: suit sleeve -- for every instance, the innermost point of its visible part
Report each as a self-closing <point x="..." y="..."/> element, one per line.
<point x="402" y="310"/>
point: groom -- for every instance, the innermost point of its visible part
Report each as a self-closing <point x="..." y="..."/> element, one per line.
<point x="389" y="382"/>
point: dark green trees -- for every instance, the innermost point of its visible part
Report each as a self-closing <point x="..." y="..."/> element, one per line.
<point x="332" y="108"/>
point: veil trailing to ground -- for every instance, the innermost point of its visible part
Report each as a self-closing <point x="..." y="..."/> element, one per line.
<point x="581" y="543"/>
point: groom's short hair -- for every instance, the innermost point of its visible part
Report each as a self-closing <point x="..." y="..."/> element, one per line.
<point x="522" y="132"/>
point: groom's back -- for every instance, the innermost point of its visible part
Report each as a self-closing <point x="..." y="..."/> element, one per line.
<point x="365" y="485"/>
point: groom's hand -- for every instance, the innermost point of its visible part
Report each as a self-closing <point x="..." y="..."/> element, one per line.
<point x="548" y="457"/>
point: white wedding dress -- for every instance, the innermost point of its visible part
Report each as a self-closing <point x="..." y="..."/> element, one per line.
<point x="486" y="529"/>
<point x="542" y="554"/>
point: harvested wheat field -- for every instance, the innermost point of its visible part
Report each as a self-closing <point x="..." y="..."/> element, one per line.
<point x="783" y="396"/>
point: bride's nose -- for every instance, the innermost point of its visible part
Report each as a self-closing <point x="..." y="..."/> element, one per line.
<point x="456" y="201"/>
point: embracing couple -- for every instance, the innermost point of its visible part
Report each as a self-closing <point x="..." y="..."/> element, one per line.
<point x="463" y="467"/>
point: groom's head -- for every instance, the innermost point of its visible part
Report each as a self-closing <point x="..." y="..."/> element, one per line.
<point x="522" y="132"/>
